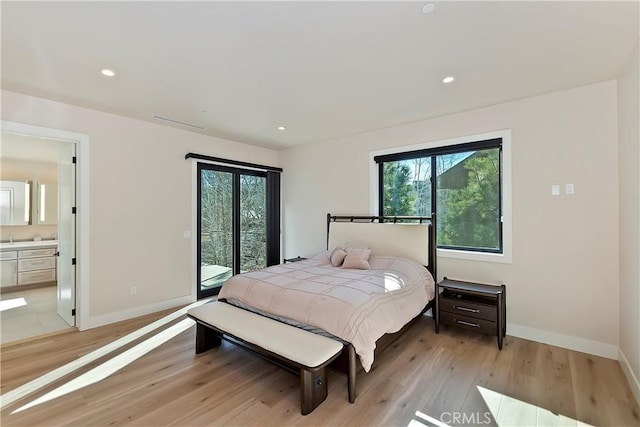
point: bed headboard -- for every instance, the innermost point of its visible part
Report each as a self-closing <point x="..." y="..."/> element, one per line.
<point x="407" y="237"/>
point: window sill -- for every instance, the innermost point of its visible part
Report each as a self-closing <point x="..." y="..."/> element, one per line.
<point x="504" y="258"/>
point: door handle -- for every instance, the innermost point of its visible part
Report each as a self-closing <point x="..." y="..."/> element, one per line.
<point x="57" y="253"/>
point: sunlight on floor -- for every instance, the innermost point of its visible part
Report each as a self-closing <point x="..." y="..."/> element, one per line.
<point x="8" y="304"/>
<point x="503" y="410"/>
<point x="508" y="411"/>
<point x="47" y="379"/>
<point x="430" y="421"/>
<point x="113" y="365"/>
<point x="36" y="316"/>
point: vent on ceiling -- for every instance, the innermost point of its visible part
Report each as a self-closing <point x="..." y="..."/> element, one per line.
<point x="178" y="122"/>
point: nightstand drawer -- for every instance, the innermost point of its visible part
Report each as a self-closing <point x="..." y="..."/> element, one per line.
<point x="474" y="324"/>
<point x="462" y="307"/>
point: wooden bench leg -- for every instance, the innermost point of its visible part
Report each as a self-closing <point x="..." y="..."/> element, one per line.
<point x="206" y="338"/>
<point x="351" y="385"/>
<point x="313" y="389"/>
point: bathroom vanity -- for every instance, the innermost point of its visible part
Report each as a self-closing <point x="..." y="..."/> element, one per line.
<point x="28" y="263"/>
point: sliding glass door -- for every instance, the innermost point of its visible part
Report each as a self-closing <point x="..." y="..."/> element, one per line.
<point x="216" y="228"/>
<point x="233" y="224"/>
<point x="253" y="222"/>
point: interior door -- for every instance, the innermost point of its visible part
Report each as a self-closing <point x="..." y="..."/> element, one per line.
<point x="66" y="233"/>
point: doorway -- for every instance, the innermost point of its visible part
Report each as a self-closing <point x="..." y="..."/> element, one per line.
<point x="47" y="309"/>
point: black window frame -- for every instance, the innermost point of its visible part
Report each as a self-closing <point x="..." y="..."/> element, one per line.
<point x="433" y="153"/>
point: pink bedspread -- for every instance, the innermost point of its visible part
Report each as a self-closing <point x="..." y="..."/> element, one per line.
<point x="358" y="306"/>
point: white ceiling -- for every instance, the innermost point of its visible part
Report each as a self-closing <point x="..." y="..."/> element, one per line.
<point x="323" y="69"/>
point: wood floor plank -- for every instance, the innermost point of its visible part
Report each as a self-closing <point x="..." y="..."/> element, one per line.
<point x="423" y="372"/>
<point x="601" y="393"/>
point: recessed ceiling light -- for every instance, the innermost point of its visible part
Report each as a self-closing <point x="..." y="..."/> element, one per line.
<point x="107" y="72"/>
<point x="428" y="8"/>
<point x="448" y="79"/>
<point x="282" y="127"/>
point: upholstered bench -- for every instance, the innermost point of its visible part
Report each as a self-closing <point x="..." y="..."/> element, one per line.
<point x="296" y="348"/>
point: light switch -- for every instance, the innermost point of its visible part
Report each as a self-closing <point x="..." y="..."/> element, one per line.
<point x="187" y="234"/>
<point x="555" y="190"/>
<point x="569" y="189"/>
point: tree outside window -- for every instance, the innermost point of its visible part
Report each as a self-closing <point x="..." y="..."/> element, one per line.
<point x="467" y="195"/>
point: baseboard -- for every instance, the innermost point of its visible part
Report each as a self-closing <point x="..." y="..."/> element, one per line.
<point x="107" y="319"/>
<point x="628" y="372"/>
<point x="596" y="348"/>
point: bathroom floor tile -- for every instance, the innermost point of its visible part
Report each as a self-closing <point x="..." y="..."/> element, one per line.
<point x="36" y="317"/>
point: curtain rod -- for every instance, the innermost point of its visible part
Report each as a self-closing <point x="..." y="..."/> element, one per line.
<point x="231" y="162"/>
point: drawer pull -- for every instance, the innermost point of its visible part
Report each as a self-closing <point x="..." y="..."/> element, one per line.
<point x="471" y="310"/>
<point x="462" y="322"/>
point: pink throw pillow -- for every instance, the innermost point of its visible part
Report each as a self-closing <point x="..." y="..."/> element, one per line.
<point x="357" y="259"/>
<point x="337" y="256"/>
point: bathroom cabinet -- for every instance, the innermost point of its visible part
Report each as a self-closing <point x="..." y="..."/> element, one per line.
<point x="28" y="263"/>
<point x="9" y="264"/>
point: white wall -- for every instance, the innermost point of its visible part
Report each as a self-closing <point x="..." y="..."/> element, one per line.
<point x="562" y="286"/>
<point x="140" y="204"/>
<point x="629" y="179"/>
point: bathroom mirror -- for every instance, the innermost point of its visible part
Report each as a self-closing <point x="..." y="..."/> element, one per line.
<point x="47" y="203"/>
<point x="15" y="202"/>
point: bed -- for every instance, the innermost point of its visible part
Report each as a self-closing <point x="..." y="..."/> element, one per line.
<point x="363" y="308"/>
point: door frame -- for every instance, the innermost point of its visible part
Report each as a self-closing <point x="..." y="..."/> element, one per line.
<point x="82" y="206"/>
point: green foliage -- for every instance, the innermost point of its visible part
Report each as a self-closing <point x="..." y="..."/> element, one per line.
<point x="467" y="195"/>
<point x="469" y="216"/>
<point x="399" y="192"/>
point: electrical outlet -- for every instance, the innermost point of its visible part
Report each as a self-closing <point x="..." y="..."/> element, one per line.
<point x="134" y="290"/>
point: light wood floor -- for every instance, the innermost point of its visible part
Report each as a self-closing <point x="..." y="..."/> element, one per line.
<point x="526" y="383"/>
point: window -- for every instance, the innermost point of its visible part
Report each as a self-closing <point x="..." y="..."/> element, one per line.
<point x="238" y="223"/>
<point x="462" y="182"/>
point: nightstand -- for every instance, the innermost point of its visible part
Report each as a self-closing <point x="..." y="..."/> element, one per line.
<point x="473" y="306"/>
<point x="296" y="259"/>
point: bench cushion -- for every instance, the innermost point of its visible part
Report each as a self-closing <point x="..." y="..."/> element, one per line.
<point x="295" y="344"/>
